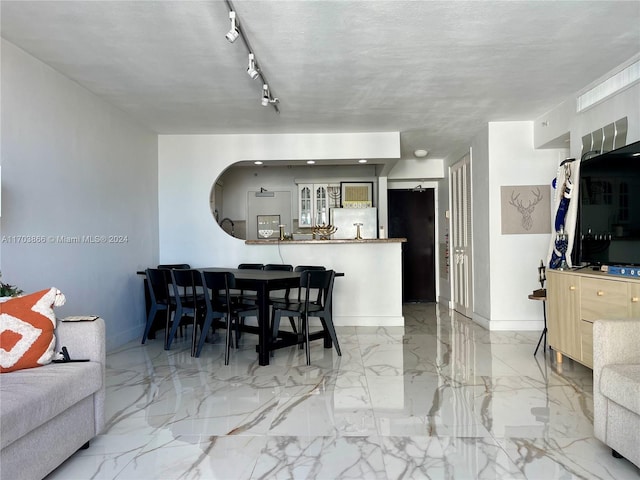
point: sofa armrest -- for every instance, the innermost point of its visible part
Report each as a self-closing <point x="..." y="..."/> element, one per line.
<point x="86" y="340"/>
<point x="614" y="342"/>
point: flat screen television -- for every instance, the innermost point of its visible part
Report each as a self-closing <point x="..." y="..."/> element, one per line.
<point x="609" y="209"/>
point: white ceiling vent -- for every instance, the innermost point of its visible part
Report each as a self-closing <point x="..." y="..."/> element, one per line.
<point x="613" y="84"/>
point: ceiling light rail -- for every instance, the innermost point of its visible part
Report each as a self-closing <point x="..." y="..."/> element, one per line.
<point x="253" y="70"/>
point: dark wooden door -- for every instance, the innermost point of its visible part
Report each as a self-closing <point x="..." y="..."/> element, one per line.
<point x="412" y="215"/>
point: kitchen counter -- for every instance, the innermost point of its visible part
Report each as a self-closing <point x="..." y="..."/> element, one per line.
<point x="325" y="242"/>
<point x="369" y="294"/>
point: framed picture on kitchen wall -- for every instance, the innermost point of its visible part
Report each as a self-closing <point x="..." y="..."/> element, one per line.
<point x="356" y="194"/>
<point x="268" y="226"/>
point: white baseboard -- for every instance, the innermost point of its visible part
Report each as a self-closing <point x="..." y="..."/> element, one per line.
<point x="517" y="325"/>
<point x="446" y="301"/>
<point x="480" y="320"/>
<point x="368" y="321"/>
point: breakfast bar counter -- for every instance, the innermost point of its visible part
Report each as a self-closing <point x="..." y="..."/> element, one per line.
<point x="326" y="242"/>
<point x="369" y="294"/>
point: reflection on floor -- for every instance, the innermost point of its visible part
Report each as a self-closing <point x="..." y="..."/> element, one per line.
<point x="438" y="398"/>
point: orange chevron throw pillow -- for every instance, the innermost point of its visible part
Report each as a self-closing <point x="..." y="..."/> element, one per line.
<point x="27" y="327"/>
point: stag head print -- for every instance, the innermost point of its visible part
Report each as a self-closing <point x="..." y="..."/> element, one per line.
<point x="526" y="210"/>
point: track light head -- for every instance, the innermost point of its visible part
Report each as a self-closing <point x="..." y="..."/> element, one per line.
<point x="266" y="95"/>
<point x="252" y="69"/>
<point x="233" y="33"/>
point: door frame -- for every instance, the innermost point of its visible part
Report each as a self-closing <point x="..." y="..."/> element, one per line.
<point x="409" y="185"/>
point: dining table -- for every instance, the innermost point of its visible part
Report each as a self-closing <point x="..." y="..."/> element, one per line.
<point x="263" y="282"/>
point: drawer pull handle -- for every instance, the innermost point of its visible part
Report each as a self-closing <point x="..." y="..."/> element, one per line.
<point x="572" y="288"/>
<point x="634" y="299"/>
<point x="600" y="293"/>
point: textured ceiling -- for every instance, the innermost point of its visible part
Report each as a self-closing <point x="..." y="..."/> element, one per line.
<point x="434" y="71"/>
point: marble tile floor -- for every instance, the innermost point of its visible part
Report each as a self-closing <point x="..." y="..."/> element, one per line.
<point x="441" y="398"/>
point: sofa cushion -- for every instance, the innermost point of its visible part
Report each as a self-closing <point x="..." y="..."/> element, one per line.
<point x="31" y="397"/>
<point x="621" y="384"/>
<point x="27" y="330"/>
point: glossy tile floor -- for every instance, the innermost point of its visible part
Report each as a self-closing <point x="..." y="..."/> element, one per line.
<point x="438" y="398"/>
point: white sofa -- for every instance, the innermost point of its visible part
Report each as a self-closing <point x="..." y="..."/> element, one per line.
<point x="616" y="386"/>
<point x="48" y="413"/>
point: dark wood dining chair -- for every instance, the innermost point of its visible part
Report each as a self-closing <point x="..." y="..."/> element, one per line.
<point x="220" y="306"/>
<point x="188" y="304"/>
<point x="246" y="297"/>
<point x="160" y="299"/>
<point x="320" y="307"/>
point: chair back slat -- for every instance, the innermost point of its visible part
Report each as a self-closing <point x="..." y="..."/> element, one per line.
<point x="250" y="266"/>
<point x="159" y="280"/>
<point x="278" y="267"/>
<point x="218" y="284"/>
<point x="188" y="281"/>
<point x="302" y="268"/>
<point x="175" y="266"/>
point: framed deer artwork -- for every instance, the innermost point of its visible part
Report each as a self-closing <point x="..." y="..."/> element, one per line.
<point x="526" y="209"/>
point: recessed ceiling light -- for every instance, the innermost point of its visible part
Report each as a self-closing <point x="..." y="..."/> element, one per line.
<point x="362" y="160"/>
<point x="310" y="162"/>
<point x="257" y="162"/>
<point x="421" y="153"/>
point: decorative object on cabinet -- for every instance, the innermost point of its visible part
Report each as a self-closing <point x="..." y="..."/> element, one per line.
<point x="323" y="231"/>
<point x="356" y="194"/>
<point x="268" y="226"/>
<point x="525" y="209"/>
<point x="562" y="198"/>
<point x="541" y="295"/>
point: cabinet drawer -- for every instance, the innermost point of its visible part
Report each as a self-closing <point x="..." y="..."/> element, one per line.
<point x="603" y="299"/>
<point x="586" y="342"/>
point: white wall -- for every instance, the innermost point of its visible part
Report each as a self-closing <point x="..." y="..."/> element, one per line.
<point x="73" y="165"/>
<point x="188" y="164"/>
<point x="481" y="172"/>
<point x="422" y="168"/>
<point x="515" y="258"/>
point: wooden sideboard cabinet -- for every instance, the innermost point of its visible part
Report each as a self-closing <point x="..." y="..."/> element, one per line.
<point x="576" y="299"/>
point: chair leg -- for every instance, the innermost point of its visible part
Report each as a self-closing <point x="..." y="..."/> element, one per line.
<point x="177" y="318"/>
<point x="328" y="325"/>
<point x="239" y="321"/>
<point x="293" y="324"/>
<point x="305" y="325"/>
<point x="205" y="328"/>
<point x="227" y="345"/>
<point x="193" y="334"/>
<point x="276" y="323"/>
<point x="300" y="327"/>
<point x="150" y="318"/>
<point x="167" y="325"/>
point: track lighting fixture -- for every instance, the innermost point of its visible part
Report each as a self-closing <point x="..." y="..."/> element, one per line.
<point x="266" y="97"/>
<point x="252" y="69"/>
<point x="233" y="33"/>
